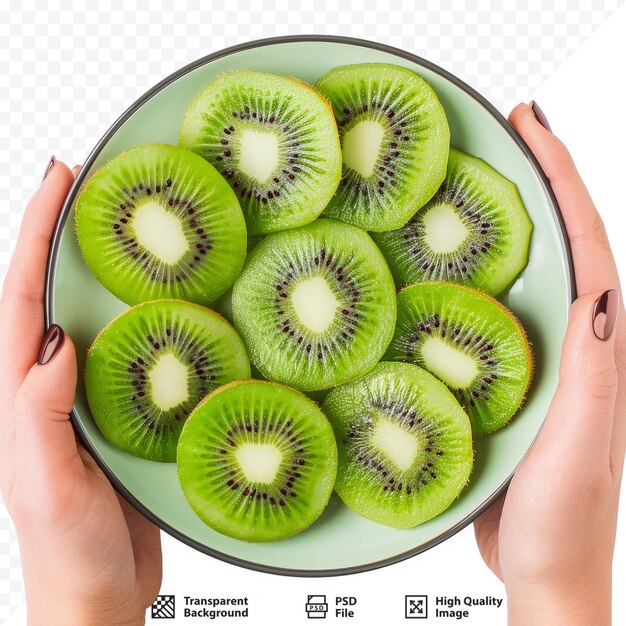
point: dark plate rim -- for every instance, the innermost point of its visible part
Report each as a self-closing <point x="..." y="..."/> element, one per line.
<point x="60" y="225"/>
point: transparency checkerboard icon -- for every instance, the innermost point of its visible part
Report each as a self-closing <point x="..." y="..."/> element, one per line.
<point x="164" y="607"/>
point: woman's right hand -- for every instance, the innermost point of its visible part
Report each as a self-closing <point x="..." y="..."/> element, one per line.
<point x="551" y="537"/>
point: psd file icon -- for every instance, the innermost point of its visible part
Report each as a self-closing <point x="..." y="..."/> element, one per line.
<point x="316" y="607"/>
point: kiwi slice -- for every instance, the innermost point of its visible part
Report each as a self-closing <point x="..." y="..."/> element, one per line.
<point x="474" y="231"/>
<point x="394" y="140"/>
<point x="275" y="141"/>
<point x="405" y="445"/>
<point x="469" y="341"/>
<point x="160" y="222"/>
<point x="151" y="366"/>
<point x="315" y="305"/>
<point x="257" y="461"/>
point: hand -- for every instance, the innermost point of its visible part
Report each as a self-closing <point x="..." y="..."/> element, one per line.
<point x="88" y="557"/>
<point x="551" y="537"/>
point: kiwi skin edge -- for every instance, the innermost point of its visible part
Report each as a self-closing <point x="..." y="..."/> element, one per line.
<point x="136" y="306"/>
<point x="525" y="340"/>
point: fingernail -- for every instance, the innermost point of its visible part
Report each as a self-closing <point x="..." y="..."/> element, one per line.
<point x="51" y="344"/>
<point x="49" y="167"/>
<point x="604" y="314"/>
<point x="539" y="115"/>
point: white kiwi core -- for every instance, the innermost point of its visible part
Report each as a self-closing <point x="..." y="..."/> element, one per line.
<point x="398" y="445"/>
<point x="258" y="154"/>
<point x="445" y="231"/>
<point x="259" y="461"/>
<point x="361" y="147"/>
<point x="160" y="232"/>
<point x="168" y="382"/>
<point x="447" y="362"/>
<point x="315" y="304"/>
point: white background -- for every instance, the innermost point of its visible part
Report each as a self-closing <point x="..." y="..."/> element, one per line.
<point x="67" y="74"/>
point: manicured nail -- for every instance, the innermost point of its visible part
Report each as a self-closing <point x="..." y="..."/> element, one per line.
<point x="539" y="115"/>
<point x="49" y="167"/>
<point x="51" y="344"/>
<point x="604" y="314"/>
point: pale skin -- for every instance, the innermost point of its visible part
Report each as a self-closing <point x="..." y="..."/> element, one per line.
<point x="550" y="539"/>
<point x="89" y="558"/>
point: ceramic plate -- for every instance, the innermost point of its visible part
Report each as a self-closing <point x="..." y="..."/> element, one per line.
<point x="540" y="297"/>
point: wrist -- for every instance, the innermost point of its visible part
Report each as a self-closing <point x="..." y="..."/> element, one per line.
<point x="80" y="618"/>
<point x="588" y="601"/>
<point x="68" y="615"/>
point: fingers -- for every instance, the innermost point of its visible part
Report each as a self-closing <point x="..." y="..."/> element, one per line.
<point x="593" y="261"/>
<point x="618" y="436"/>
<point x="580" y="419"/>
<point x="45" y="446"/>
<point x="146" y="541"/>
<point x="21" y="311"/>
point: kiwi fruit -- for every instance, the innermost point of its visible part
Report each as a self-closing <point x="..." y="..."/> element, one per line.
<point x="404" y="442"/>
<point x="257" y="461"/>
<point x="160" y="222"/>
<point x="469" y="341"/>
<point x="150" y="367"/>
<point x="315" y="305"/>
<point x="474" y="231"/>
<point x="275" y="141"/>
<point x="394" y="140"/>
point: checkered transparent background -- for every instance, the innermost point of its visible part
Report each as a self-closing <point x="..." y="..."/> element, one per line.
<point x="66" y="74"/>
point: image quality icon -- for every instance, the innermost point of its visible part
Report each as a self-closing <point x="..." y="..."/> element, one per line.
<point x="416" y="607"/>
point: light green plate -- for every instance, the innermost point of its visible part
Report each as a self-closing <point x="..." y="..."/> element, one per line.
<point x="340" y="541"/>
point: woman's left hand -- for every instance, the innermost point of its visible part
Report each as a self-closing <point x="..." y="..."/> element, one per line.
<point x="88" y="557"/>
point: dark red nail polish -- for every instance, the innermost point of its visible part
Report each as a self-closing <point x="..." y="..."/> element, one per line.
<point x="51" y="344"/>
<point x="49" y="167"/>
<point x="539" y="115"/>
<point x="604" y="314"/>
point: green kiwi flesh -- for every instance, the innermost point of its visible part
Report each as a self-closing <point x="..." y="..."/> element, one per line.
<point x="315" y="305"/>
<point x="469" y="341"/>
<point x="257" y="461"/>
<point x="160" y="222"/>
<point x="404" y="442"/>
<point x="149" y="368"/>
<point x="275" y="141"/>
<point x="474" y="231"/>
<point x="395" y="140"/>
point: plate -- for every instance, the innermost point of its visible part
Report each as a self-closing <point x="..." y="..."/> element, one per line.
<point x="540" y="297"/>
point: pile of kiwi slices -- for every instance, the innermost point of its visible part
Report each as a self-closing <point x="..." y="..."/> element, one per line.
<point x="275" y="349"/>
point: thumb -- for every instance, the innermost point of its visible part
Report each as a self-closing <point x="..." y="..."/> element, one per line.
<point x="581" y="413"/>
<point x="44" y="438"/>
